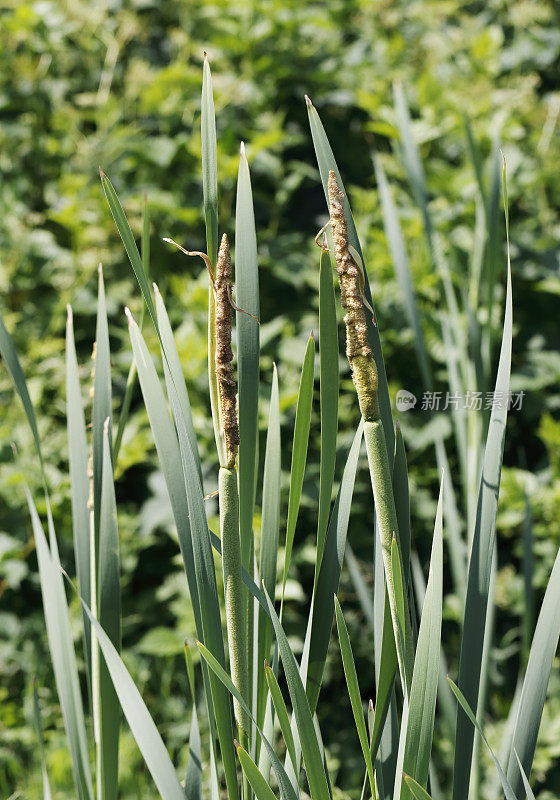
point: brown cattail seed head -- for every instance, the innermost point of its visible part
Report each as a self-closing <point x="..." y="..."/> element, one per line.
<point x="224" y="355"/>
<point x="358" y="351"/>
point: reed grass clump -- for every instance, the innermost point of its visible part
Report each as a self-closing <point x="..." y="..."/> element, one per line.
<point x="264" y="741"/>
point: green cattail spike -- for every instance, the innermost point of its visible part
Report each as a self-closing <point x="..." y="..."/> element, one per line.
<point x="358" y="350"/>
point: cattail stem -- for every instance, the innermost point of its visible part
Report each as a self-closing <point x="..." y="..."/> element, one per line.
<point x="364" y="375"/>
<point x="233" y="590"/>
<point x="387" y="526"/>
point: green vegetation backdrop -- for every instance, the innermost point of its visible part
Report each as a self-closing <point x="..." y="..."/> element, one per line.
<point x="117" y="84"/>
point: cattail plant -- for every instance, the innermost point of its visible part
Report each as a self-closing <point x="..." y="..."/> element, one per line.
<point x="262" y="742"/>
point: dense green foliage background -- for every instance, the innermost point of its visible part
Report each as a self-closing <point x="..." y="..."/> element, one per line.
<point x="117" y="84"/>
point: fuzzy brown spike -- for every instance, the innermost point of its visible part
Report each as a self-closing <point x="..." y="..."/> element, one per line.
<point x="224" y="354"/>
<point x="358" y="351"/>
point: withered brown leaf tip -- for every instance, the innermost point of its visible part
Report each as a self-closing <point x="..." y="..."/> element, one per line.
<point x="224" y="354"/>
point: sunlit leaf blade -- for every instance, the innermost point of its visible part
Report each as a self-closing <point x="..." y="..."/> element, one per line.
<point x="400" y="604"/>
<point x="416" y="790"/>
<point x="416" y="735"/>
<point x="397" y="248"/>
<point x="299" y="450"/>
<point x="533" y="692"/>
<point x="101" y="403"/>
<point x="328" y="351"/>
<point x="326" y="162"/>
<point x="526" y="785"/>
<point x="314" y="768"/>
<point x="321" y="620"/>
<point x="286" y="788"/>
<point x="39" y="726"/>
<point x="109" y="615"/>
<point x="281" y="713"/>
<point x="139" y="719"/>
<point x="63" y="657"/>
<point x="354" y="690"/>
<point x="270" y="527"/>
<point x="79" y="482"/>
<point x="129" y="243"/>
<point x="508" y="791"/>
<point x="480" y="566"/>
<point x="247" y="299"/>
<point x="258" y="784"/>
<point x="174" y="378"/>
<point x="131" y="378"/>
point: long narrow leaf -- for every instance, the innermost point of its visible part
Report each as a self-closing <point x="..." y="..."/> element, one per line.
<point x="480" y="567"/>
<point x="247" y="299"/>
<point x="354" y="690"/>
<point x="299" y="450"/>
<point x="79" y="482"/>
<point x="62" y="653"/>
<point x="315" y="770"/>
<point x="328" y="351"/>
<point x="139" y="719"/>
<point x="417" y="733"/>
<point x="109" y="615"/>
<point x="533" y="692"/>
<point x="286" y="788"/>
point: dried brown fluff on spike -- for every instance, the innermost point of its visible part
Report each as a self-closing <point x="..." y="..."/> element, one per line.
<point x="358" y="351"/>
<point x="224" y="355"/>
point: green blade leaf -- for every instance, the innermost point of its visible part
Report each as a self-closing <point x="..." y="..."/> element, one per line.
<point x="480" y="566"/>
<point x="354" y="690"/>
<point x="526" y="784"/>
<point x="299" y="450"/>
<point x="79" y="482"/>
<point x="286" y="788"/>
<point x="63" y="657"/>
<point x="109" y="605"/>
<point x="193" y="778"/>
<point x="258" y="784"/>
<point x="101" y="404"/>
<point x="270" y="527"/>
<point x="139" y="719"/>
<point x="179" y="466"/>
<point x="418" y="717"/>
<point x="131" y="378"/>
<point x="314" y="767"/>
<point x="328" y="351"/>
<point x="508" y="791"/>
<point x="533" y="692"/>
<point x="247" y="298"/>
<point x="39" y="726"/>
<point x="174" y="378"/>
<point x="416" y="790"/>
<point x="281" y="713"/>
<point x="129" y="242"/>
<point x="209" y="163"/>
<point x="321" y="619"/>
